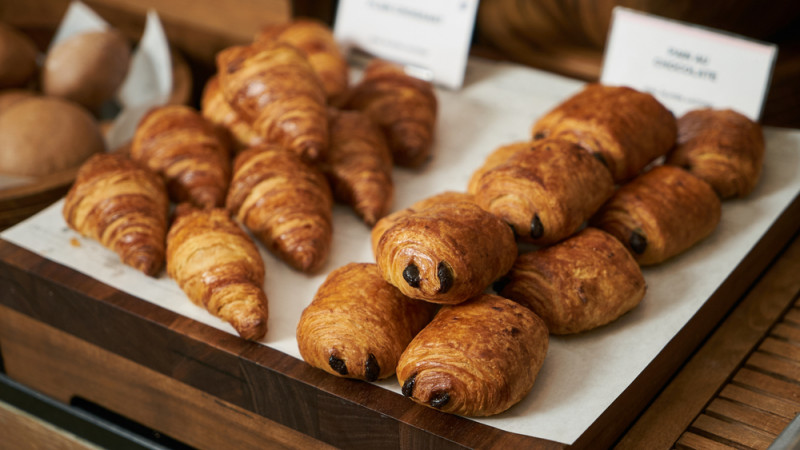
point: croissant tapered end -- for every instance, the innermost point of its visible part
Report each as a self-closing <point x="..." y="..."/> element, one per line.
<point x="412" y="140"/>
<point x="307" y="251"/>
<point x="249" y="320"/>
<point x="148" y="260"/>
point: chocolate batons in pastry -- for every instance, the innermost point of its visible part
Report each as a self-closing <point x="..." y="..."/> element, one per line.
<point x="216" y="110"/>
<point x="178" y="143"/>
<point x="497" y="157"/>
<point x="578" y="284"/>
<point x="404" y="108"/>
<point x="358" y="324"/>
<point x="546" y="192"/>
<point x="286" y="203"/>
<point x="359" y="165"/>
<point x="723" y="147"/>
<point x="660" y="213"/>
<point x="219" y="268"/>
<point x="623" y="127"/>
<point x="123" y="205"/>
<point x="272" y="85"/>
<point x="477" y="358"/>
<point x="315" y="40"/>
<point x="443" y="251"/>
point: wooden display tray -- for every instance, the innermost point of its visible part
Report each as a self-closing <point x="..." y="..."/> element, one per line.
<point x="257" y="379"/>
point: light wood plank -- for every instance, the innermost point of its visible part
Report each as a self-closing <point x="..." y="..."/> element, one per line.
<point x="21" y="430"/>
<point x="733" y="432"/>
<point x="768" y="363"/>
<point x="782" y="348"/>
<point x="768" y="384"/>
<point x="778" y="406"/>
<point x="692" y="441"/>
<point x="787" y="331"/>
<point x="769" y="423"/>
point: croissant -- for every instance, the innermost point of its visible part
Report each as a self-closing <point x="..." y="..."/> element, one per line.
<point x="216" y="110"/>
<point x="660" y="213"/>
<point x="624" y="128"/>
<point x="273" y="86"/>
<point x="497" y="157"/>
<point x="122" y="205"/>
<point x="219" y="268"/>
<point x="723" y="147"/>
<point x="358" y="324"/>
<point x="547" y="192"/>
<point x="443" y="251"/>
<point x="315" y="40"/>
<point x="286" y="203"/>
<point x="359" y="165"/>
<point x="184" y="148"/>
<point x="404" y="108"/>
<point x="578" y="284"/>
<point x="477" y="358"/>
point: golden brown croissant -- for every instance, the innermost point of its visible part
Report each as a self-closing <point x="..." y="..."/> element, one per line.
<point x="404" y="108"/>
<point x="625" y="128"/>
<point x="286" y="203"/>
<point x="547" y="192"/>
<point x="443" y="251"/>
<point x="359" y="165"/>
<point x="216" y="110"/>
<point x="477" y="358"/>
<point x="124" y="206"/>
<point x="358" y="324"/>
<point x="723" y="147"/>
<point x="219" y="268"/>
<point x="578" y="284"/>
<point x="315" y="40"/>
<point x="497" y="157"/>
<point x="178" y="143"/>
<point x="272" y="85"/>
<point x="660" y="213"/>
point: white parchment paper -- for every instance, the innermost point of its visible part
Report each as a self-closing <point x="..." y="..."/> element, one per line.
<point x="582" y="374"/>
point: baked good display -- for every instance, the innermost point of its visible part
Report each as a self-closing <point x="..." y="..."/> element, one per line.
<point x="123" y="205"/>
<point x="660" y="213"/>
<point x="273" y="86"/>
<point x="178" y="143"/>
<point x="219" y="268"/>
<point x="545" y="192"/>
<point x="477" y="358"/>
<point x="286" y="203"/>
<point x="625" y="128"/>
<point x="358" y="324"/>
<point x="723" y="147"/>
<point x="216" y="110"/>
<point x="359" y="165"/>
<point x="315" y="40"/>
<point x="444" y="249"/>
<point x="576" y="285"/>
<point x="404" y="108"/>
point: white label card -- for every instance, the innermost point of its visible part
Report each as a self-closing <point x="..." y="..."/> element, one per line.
<point x="431" y="38"/>
<point x="686" y="66"/>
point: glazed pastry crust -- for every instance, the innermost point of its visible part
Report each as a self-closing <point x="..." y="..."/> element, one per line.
<point x="443" y="250"/>
<point x="546" y="192"/>
<point x="477" y="358"/>
<point x="178" y="143"/>
<point x="359" y="165"/>
<point x="315" y="40"/>
<point x="579" y="284"/>
<point x="661" y="214"/>
<point x="497" y="157"/>
<point x="219" y="268"/>
<point x="216" y="110"/>
<point x="627" y="128"/>
<point x="358" y="324"/>
<point x="272" y="86"/>
<point x="404" y="108"/>
<point x="123" y="205"/>
<point x="286" y="203"/>
<point x="722" y="147"/>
